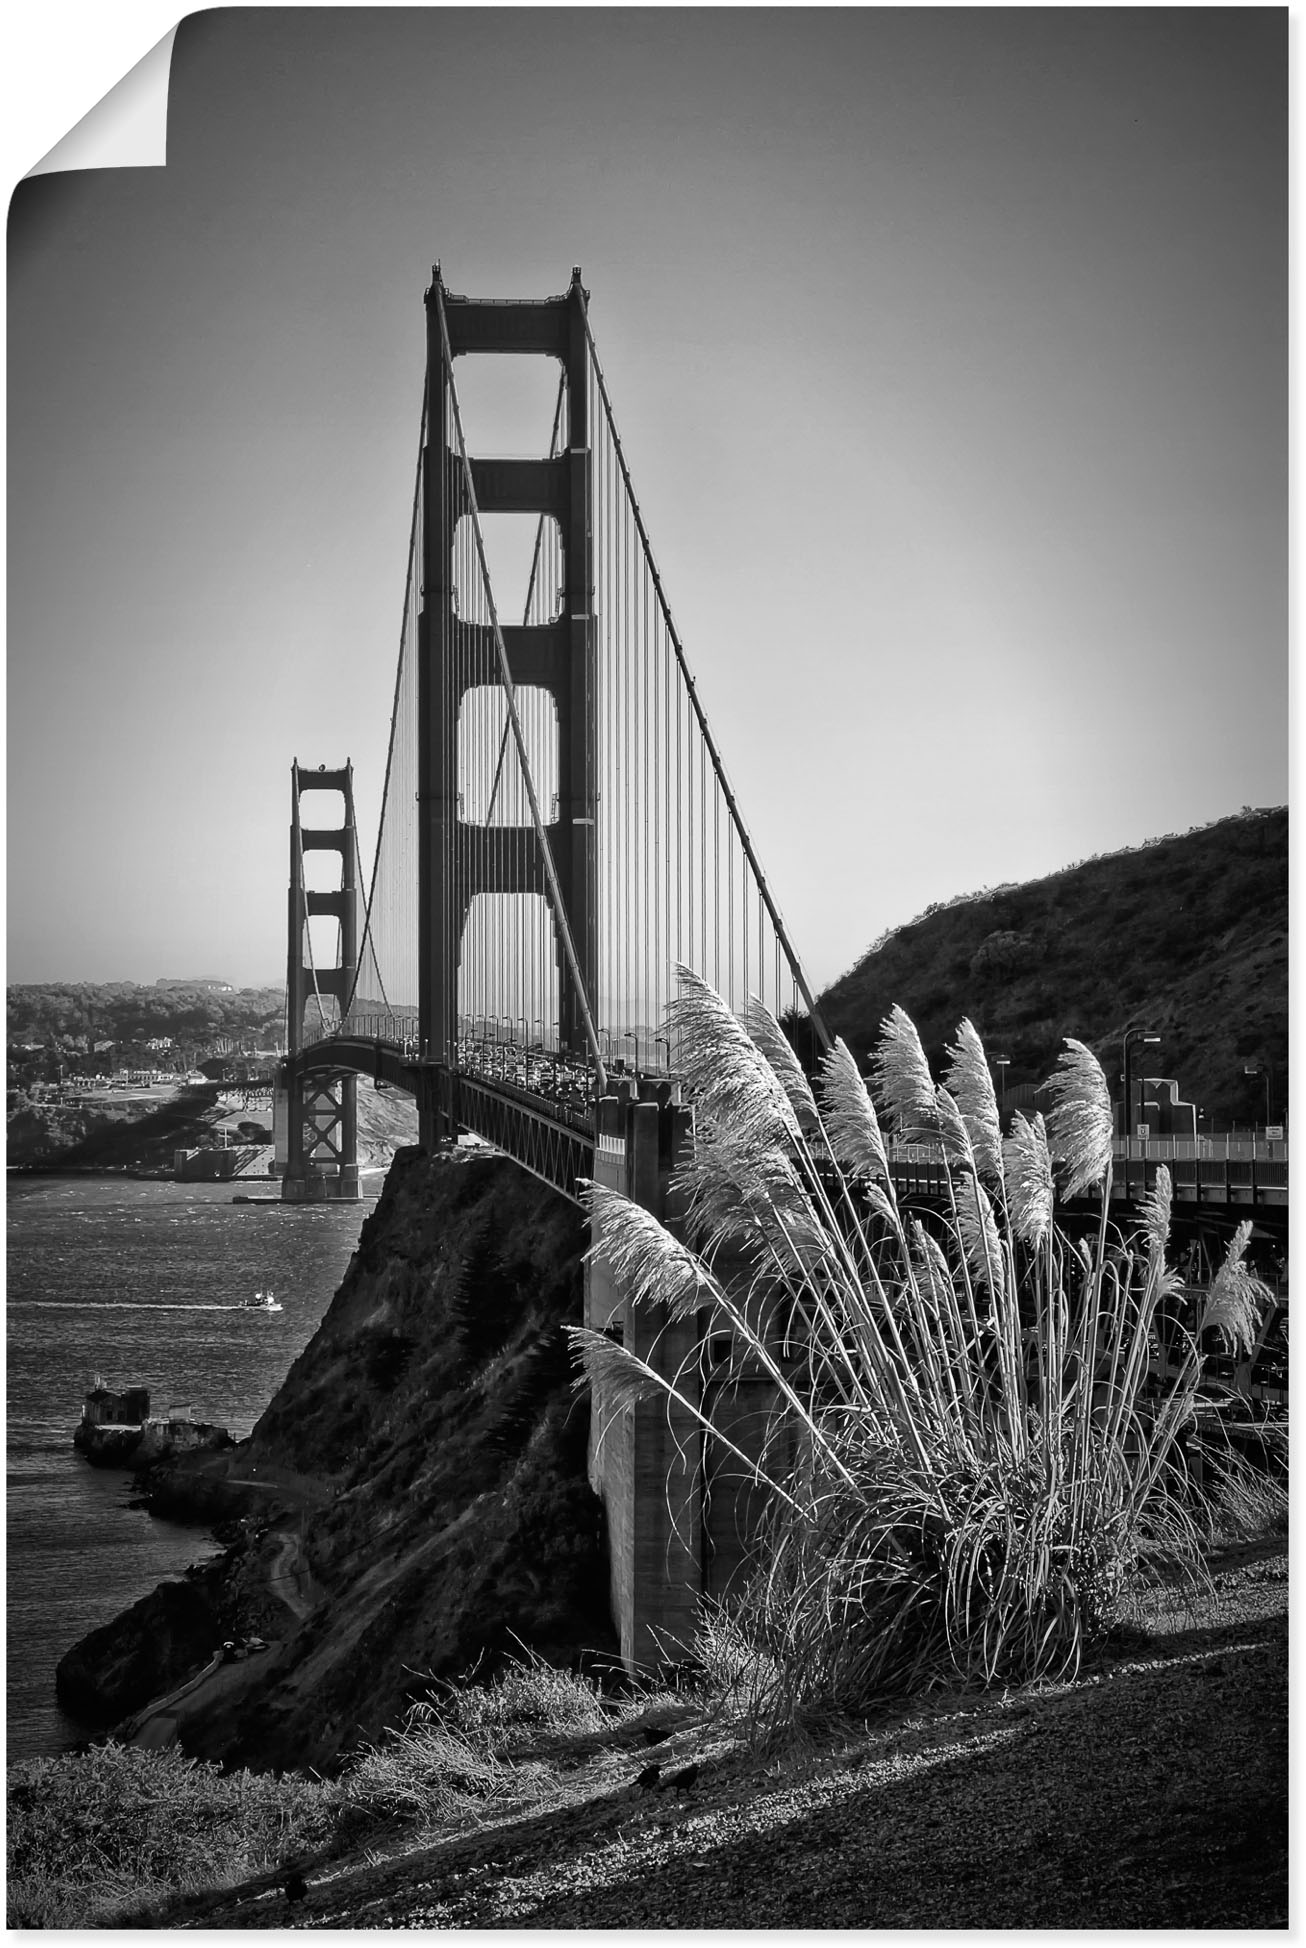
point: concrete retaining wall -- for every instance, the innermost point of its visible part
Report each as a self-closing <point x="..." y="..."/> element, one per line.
<point x="645" y="1460"/>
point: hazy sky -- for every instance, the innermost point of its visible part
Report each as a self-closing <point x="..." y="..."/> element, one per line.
<point x="949" y="349"/>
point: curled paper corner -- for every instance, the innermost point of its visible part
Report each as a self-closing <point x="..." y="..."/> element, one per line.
<point x="128" y="129"/>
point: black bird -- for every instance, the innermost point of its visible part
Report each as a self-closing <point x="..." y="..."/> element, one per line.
<point x="294" y="1886"/>
<point x="684" y="1780"/>
<point x="649" y="1777"/>
<point x="654" y="1734"/>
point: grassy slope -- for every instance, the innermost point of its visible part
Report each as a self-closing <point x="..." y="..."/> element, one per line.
<point x="1149" y="1792"/>
<point x="1188" y="935"/>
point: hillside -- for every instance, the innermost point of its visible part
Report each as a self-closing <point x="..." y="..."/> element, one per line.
<point x="1187" y="935"/>
<point x="134" y="1133"/>
<point x="73" y="1028"/>
<point x="126" y="1011"/>
<point x="139" y="1133"/>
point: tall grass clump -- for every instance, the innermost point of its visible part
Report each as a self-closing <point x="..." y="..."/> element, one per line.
<point x="428" y="1773"/>
<point x="474" y="1748"/>
<point x="95" y="1836"/>
<point x="966" y="1460"/>
<point x="1247" y="1502"/>
<point x="526" y="1702"/>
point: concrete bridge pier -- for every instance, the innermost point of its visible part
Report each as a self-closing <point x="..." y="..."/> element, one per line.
<point x="645" y="1460"/>
<point x="315" y="1133"/>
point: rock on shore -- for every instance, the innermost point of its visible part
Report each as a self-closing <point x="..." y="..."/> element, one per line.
<point x="142" y="1653"/>
<point x="106" y="1445"/>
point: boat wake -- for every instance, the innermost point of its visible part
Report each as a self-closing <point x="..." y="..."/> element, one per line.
<point x="130" y="1305"/>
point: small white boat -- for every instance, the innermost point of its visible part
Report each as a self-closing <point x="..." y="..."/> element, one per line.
<point x="261" y="1302"/>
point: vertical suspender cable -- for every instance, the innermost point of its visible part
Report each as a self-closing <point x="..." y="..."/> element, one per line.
<point x="414" y="543"/>
<point x="717" y="764"/>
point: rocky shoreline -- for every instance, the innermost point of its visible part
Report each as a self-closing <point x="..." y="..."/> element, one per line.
<point x="414" y="1497"/>
<point x="118" y="1431"/>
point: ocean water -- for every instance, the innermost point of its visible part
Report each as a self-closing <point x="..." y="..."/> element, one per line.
<point x="140" y="1282"/>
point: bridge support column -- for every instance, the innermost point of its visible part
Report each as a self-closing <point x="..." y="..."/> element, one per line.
<point x="321" y="1139"/>
<point x="315" y="1112"/>
<point x="461" y="857"/>
<point x="645" y="1460"/>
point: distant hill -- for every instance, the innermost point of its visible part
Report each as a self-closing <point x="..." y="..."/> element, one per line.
<point x="1187" y="935"/>
<point x="76" y="1016"/>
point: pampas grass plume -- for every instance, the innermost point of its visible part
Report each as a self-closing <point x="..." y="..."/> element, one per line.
<point x="903" y="1080"/>
<point x="970" y="1084"/>
<point x="1027" y="1168"/>
<point x="851" y="1124"/>
<point x="1080" y="1127"/>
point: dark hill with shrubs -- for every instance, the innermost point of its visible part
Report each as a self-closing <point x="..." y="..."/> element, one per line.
<point x="1187" y="935"/>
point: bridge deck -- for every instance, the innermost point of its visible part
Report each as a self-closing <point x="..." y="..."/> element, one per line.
<point x="535" y="1104"/>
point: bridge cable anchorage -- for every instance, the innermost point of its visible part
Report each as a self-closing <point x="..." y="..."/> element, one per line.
<point x="784" y="943"/>
<point x="560" y="918"/>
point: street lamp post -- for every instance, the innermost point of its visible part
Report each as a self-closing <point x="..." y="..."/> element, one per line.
<point x="1262" y="1069"/>
<point x="660" y="1041"/>
<point x="632" y="1035"/>
<point x="1003" y="1063"/>
<point x="1131" y="1035"/>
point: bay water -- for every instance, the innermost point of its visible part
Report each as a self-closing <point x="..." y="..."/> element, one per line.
<point x="142" y="1283"/>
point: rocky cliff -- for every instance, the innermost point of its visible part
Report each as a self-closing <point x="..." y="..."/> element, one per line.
<point x="413" y="1500"/>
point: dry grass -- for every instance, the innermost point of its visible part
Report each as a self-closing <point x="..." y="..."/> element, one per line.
<point x="117" y="1836"/>
<point x="94" y="1837"/>
<point x="1247" y="1502"/>
<point x="473" y="1749"/>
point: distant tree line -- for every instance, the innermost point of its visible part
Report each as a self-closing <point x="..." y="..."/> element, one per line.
<point x="63" y="1027"/>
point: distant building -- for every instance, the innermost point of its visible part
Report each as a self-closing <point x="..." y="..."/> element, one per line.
<point x="104" y="1407"/>
<point x="1156" y="1103"/>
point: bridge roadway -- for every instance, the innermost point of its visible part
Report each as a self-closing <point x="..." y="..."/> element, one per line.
<point x="530" y="1103"/>
<point x="535" y="1104"/>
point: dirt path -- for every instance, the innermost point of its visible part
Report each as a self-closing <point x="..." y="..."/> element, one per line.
<point x="1151" y="1792"/>
<point x="289" y="1578"/>
<point x="290" y="1581"/>
<point x="157" y="1723"/>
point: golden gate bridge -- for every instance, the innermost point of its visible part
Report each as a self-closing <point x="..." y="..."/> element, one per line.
<point x="558" y="828"/>
<point x="557" y="832"/>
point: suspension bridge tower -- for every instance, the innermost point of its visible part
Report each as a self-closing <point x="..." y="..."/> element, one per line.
<point x="460" y="859"/>
<point x="315" y="1112"/>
